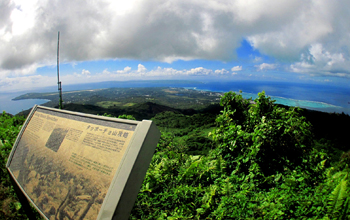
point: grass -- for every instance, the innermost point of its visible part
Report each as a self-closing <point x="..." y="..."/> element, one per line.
<point x="182" y="97"/>
<point x="129" y="104"/>
<point x="170" y="91"/>
<point x="107" y="104"/>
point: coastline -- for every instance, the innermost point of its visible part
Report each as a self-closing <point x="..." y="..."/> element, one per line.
<point x="307" y="104"/>
<point x="13" y="107"/>
<point x="289" y="94"/>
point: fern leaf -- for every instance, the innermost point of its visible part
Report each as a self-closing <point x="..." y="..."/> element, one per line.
<point x="346" y="209"/>
<point x="337" y="198"/>
<point x="218" y="164"/>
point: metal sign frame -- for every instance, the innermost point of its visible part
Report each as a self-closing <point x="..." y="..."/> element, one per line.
<point x="125" y="179"/>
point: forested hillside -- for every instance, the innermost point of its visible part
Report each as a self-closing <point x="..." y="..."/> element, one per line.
<point x="249" y="161"/>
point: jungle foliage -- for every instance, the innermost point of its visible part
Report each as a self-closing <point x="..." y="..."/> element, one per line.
<point x="263" y="163"/>
<point x="254" y="160"/>
<point x="10" y="207"/>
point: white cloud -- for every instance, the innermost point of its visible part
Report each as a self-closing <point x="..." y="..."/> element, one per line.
<point x="106" y="72"/>
<point x="21" y="83"/>
<point x="265" y="66"/>
<point x="159" y="72"/>
<point x="85" y="72"/>
<point x="257" y="59"/>
<point x="127" y="69"/>
<point x="199" y="71"/>
<point x="141" y="68"/>
<point x="170" y="59"/>
<point x="317" y="60"/>
<point x="171" y="30"/>
<point x="222" y="72"/>
<point x="27" y="70"/>
<point x="23" y="16"/>
<point x="236" y="68"/>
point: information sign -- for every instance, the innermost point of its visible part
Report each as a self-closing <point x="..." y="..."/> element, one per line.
<point x="77" y="166"/>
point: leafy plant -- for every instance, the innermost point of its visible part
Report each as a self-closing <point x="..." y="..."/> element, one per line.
<point x="338" y="197"/>
<point x="9" y="129"/>
<point x="265" y="166"/>
<point x="262" y="161"/>
<point x="263" y="139"/>
<point x="124" y="116"/>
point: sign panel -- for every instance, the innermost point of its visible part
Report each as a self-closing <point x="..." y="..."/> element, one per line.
<point x="65" y="163"/>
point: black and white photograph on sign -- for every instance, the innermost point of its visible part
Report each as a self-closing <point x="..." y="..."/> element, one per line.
<point x="56" y="138"/>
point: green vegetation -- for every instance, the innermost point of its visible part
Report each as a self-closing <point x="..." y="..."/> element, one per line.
<point x="10" y="207"/>
<point x="262" y="162"/>
<point x="250" y="161"/>
<point x="121" y="98"/>
<point x="129" y="104"/>
<point x="107" y="104"/>
<point x="113" y="104"/>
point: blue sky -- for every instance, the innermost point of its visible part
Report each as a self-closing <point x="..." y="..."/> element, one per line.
<point x="295" y="41"/>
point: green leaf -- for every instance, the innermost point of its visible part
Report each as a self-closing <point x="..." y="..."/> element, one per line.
<point x="337" y="197"/>
<point x="18" y="205"/>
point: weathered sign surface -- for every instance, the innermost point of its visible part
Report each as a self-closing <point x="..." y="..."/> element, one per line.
<point x="69" y="165"/>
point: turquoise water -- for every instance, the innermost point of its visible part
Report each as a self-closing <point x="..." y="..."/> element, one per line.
<point x="281" y="100"/>
<point x="308" y="104"/>
<point x="304" y="103"/>
<point x="293" y="102"/>
<point x="320" y="97"/>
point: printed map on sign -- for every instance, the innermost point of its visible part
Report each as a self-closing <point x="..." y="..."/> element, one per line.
<point x="65" y="163"/>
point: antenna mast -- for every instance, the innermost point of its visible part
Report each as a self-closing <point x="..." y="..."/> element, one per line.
<point x="58" y="73"/>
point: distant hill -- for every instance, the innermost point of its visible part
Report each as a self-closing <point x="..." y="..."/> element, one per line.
<point x="145" y="103"/>
<point x="140" y="111"/>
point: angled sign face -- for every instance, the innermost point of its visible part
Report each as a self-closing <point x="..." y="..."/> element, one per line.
<point x="77" y="166"/>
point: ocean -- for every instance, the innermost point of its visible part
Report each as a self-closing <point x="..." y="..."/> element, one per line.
<point x="324" y="98"/>
<point x="14" y="107"/>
